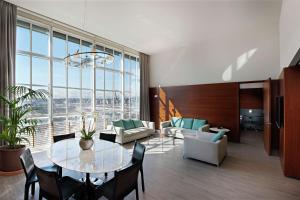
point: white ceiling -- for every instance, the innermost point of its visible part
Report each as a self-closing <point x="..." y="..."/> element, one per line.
<point x="153" y="26"/>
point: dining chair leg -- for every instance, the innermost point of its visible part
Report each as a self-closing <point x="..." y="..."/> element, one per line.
<point x="137" y="192"/>
<point x="32" y="188"/>
<point x="60" y="171"/>
<point x="142" y="177"/>
<point x="40" y="195"/>
<point x="26" y="191"/>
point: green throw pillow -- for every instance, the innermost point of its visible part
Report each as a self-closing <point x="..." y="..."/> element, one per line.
<point x="217" y="136"/>
<point x="118" y="123"/>
<point x="137" y="123"/>
<point x="176" y="121"/>
<point x="198" y="123"/>
<point x="187" y="123"/>
<point x="128" y="124"/>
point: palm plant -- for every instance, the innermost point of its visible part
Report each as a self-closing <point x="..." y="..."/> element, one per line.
<point x="16" y="125"/>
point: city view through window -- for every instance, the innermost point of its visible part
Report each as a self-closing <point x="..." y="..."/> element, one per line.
<point x="104" y="92"/>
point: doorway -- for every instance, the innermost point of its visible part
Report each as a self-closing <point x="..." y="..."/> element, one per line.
<point x="251" y="110"/>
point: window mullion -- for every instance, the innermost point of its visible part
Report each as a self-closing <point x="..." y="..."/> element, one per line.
<point x="122" y="92"/>
<point x="67" y="83"/>
<point x="30" y="85"/>
<point x="80" y="78"/>
<point x="104" y="97"/>
<point x="114" y="90"/>
<point x="50" y="87"/>
<point x="30" y="49"/>
<point x="94" y="85"/>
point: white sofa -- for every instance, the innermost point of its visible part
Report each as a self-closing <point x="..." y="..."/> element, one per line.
<point x="124" y="136"/>
<point x="167" y="129"/>
<point x="200" y="147"/>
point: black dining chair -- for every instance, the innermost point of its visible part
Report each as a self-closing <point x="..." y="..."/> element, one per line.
<point x="123" y="183"/>
<point x="56" y="188"/>
<point x="30" y="172"/>
<point x="138" y="156"/>
<point x="57" y="138"/>
<point x="108" y="137"/>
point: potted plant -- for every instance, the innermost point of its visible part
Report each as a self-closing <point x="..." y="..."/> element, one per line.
<point x="16" y="124"/>
<point x="86" y="142"/>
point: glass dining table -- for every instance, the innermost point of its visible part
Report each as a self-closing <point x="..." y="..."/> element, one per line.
<point x="103" y="157"/>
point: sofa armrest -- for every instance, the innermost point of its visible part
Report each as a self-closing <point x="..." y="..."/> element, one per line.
<point x="118" y="130"/>
<point x="148" y="124"/>
<point x="110" y="127"/>
<point x="165" y="124"/>
<point x="222" y="144"/>
<point x="204" y="128"/>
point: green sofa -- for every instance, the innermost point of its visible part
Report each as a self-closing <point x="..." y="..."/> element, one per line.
<point x="179" y="127"/>
<point x="128" y="130"/>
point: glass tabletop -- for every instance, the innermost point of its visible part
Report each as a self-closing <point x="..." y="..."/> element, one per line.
<point x="103" y="157"/>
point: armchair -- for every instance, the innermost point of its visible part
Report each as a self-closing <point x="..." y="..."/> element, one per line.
<point x="201" y="147"/>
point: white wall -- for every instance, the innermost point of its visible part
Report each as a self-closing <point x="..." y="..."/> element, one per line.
<point x="289" y="31"/>
<point x="190" y="42"/>
<point x="237" y="41"/>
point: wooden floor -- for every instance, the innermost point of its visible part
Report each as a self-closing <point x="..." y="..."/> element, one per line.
<point x="247" y="173"/>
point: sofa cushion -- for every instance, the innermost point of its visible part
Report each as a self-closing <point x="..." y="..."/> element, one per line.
<point x="187" y="123"/>
<point x="217" y="136"/>
<point x="198" y="123"/>
<point x="118" y="123"/>
<point x="128" y="124"/>
<point x="137" y="123"/>
<point x="176" y="121"/>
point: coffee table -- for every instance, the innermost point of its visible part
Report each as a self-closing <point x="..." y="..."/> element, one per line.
<point x="216" y="129"/>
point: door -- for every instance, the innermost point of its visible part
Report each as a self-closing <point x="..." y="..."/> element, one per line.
<point x="267" y="116"/>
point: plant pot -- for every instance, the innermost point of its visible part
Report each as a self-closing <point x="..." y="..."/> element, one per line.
<point x="10" y="158"/>
<point x="86" y="144"/>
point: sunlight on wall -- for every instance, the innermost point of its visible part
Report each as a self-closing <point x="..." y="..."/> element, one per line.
<point x="173" y="111"/>
<point x="240" y="63"/>
<point x="227" y="74"/>
<point x="166" y="107"/>
<point x="243" y="59"/>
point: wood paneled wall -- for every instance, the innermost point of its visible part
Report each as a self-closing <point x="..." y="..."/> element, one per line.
<point x="267" y="116"/>
<point x="274" y="130"/>
<point x="290" y="134"/>
<point x="217" y="103"/>
<point x="251" y="98"/>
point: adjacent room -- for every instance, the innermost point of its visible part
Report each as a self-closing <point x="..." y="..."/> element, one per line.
<point x="149" y="99"/>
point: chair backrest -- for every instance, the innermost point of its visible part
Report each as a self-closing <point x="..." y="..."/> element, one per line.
<point x="138" y="152"/>
<point x="57" y="138"/>
<point x="108" y="137"/>
<point x="27" y="162"/>
<point x="48" y="182"/>
<point x="126" y="180"/>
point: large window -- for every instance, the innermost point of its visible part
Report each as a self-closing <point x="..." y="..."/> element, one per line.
<point x="104" y="92"/>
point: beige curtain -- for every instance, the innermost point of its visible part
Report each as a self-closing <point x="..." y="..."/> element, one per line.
<point x="8" y="15"/>
<point x="144" y="86"/>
